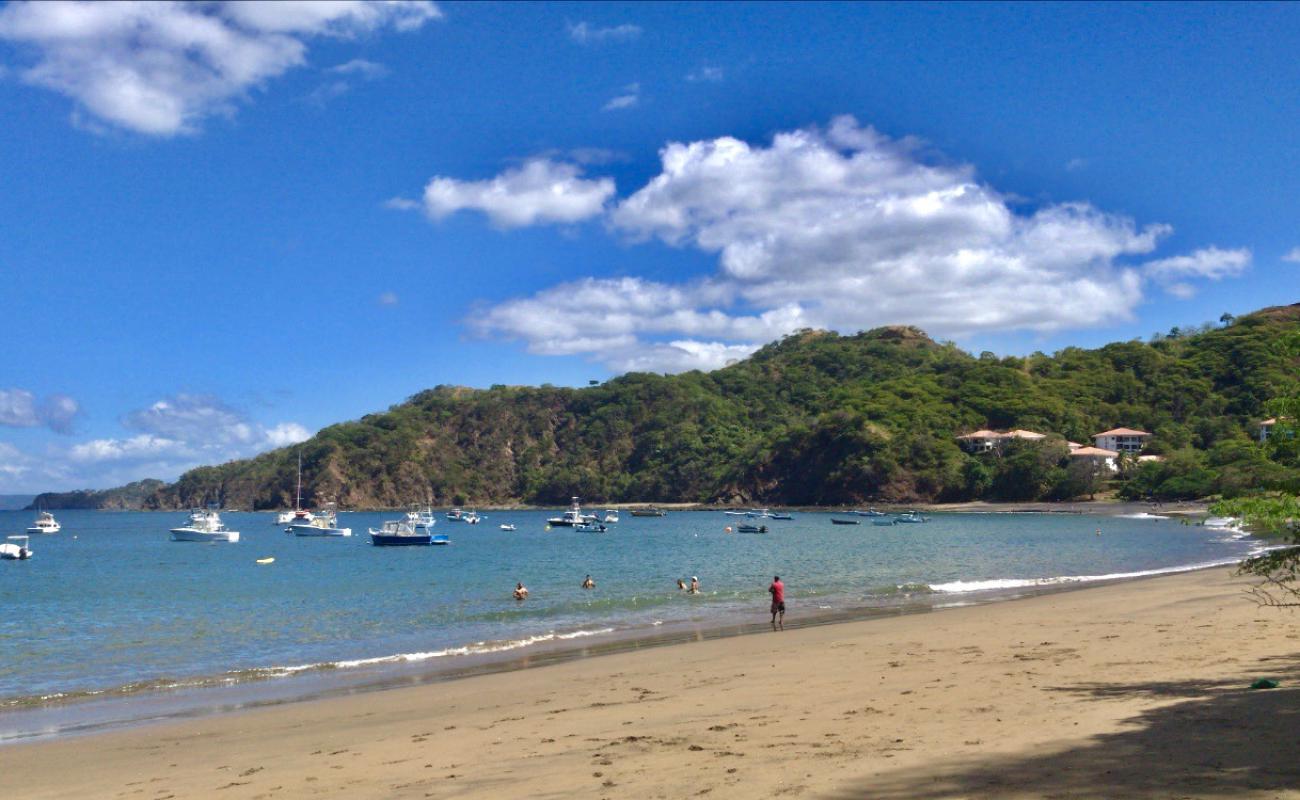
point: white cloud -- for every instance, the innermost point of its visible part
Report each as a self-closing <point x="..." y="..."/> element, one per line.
<point x="1210" y="263"/>
<point x="287" y="433"/>
<point x="360" y="67"/>
<point x="1292" y="255"/>
<point x="630" y="98"/>
<point x="840" y="228"/>
<point x="539" y="191"/>
<point x="159" y="68"/>
<point x="19" y="408"/>
<point x="1183" y="291"/>
<point x="705" y="75"/>
<point x="1076" y="164"/>
<point x="388" y="298"/>
<point x="585" y="33"/>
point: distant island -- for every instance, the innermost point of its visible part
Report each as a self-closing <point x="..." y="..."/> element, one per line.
<point x="813" y="419"/>
<point x="131" y="496"/>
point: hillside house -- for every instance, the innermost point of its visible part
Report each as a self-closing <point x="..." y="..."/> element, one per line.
<point x="1122" y="440"/>
<point x="1099" y="457"/>
<point x="986" y="441"/>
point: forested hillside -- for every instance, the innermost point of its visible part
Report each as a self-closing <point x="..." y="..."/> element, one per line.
<point x="815" y="418"/>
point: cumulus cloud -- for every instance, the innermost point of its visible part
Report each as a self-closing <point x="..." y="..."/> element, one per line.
<point x="20" y="408"/>
<point x="586" y="33"/>
<point x="341" y="79"/>
<point x="842" y="228"/>
<point x="388" y="298"/>
<point x="539" y="191"/>
<point x="1210" y="263"/>
<point x="629" y="98"/>
<point x="1292" y="255"/>
<point x="159" y="68"/>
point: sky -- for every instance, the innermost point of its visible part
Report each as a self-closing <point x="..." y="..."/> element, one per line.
<point x="224" y="226"/>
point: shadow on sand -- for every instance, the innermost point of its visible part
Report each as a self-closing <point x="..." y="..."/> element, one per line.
<point x="1210" y="739"/>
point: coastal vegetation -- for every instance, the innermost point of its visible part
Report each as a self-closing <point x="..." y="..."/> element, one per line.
<point x="813" y="419"/>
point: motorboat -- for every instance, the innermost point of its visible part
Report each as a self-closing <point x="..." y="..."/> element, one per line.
<point x="16" y="552"/>
<point x="757" y="513"/>
<point x="398" y="533"/>
<point x="649" y="512"/>
<point x="204" y="526"/>
<point x="845" y="521"/>
<point x="45" y="523"/>
<point x="870" y="512"/>
<point x="785" y="517"/>
<point x="471" y="518"/>
<point x="736" y="513"/>
<point x="611" y="516"/>
<point x="506" y="526"/>
<point x="571" y="518"/>
<point x="883" y="521"/>
<point x="751" y="529"/>
<point x="455" y="515"/>
<point x="421" y="519"/>
<point x="591" y="527"/>
<point x="323" y="524"/>
<point x="910" y="517"/>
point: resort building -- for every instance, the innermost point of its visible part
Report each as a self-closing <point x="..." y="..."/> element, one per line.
<point x="1266" y="429"/>
<point x="1100" y="458"/>
<point x="1123" y="440"/>
<point x="986" y="441"/>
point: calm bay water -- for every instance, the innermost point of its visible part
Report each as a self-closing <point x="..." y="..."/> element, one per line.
<point x="111" y="605"/>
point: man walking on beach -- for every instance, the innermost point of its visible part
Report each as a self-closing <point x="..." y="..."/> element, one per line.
<point x="777" y="590"/>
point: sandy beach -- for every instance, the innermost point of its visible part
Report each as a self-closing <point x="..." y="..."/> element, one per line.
<point x="1137" y="689"/>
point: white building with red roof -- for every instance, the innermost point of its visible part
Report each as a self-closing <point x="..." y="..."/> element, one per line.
<point x="1121" y="440"/>
<point x="1100" y="458"/>
<point x="985" y="441"/>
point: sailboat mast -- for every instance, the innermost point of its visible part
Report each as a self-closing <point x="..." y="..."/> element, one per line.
<point x="297" y="504"/>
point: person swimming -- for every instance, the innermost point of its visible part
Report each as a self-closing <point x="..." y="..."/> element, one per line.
<point x="695" y="585"/>
<point x="681" y="585"/>
<point x="521" y="591"/>
<point x="589" y="583"/>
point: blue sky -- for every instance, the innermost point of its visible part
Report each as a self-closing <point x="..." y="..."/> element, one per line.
<point x="226" y="226"/>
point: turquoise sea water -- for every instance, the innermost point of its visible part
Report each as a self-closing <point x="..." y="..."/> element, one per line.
<point x="110" y="606"/>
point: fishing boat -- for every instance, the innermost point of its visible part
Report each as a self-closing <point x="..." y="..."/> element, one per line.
<point x="751" y="529"/>
<point x="400" y="533"/>
<point x="571" y="518"/>
<point x="323" y="524"/>
<point x="204" y="526"/>
<point x="611" y="516"/>
<point x="506" y="527"/>
<point x="421" y="519"/>
<point x="298" y="514"/>
<point x="16" y="552"/>
<point x="910" y="517"/>
<point x="649" y="512"/>
<point x="45" y="523"/>
<point x="845" y="521"/>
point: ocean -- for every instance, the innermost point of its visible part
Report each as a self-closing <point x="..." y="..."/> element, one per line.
<point x="112" y="623"/>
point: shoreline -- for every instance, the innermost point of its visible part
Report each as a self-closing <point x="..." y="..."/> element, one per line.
<point x="169" y="699"/>
<point x="1022" y="699"/>
<point x="1106" y="507"/>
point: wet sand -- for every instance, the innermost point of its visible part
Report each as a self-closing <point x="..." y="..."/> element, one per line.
<point x="1137" y="689"/>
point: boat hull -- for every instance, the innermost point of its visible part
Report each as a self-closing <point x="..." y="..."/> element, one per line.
<point x="401" y="540"/>
<point x="34" y="531"/>
<point x="319" y="533"/>
<point x="844" y="522"/>
<point x="192" y="535"/>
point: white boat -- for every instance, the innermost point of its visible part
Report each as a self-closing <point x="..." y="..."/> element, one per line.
<point x="16" y="552"/>
<point x="455" y="515"/>
<point x="910" y="516"/>
<point x="470" y="518"/>
<point x="45" y="523"/>
<point x="421" y="519"/>
<point x="204" y="526"/>
<point x="506" y="527"/>
<point x="590" y="527"/>
<point x="611" y="516"/>
<point x="298" y="514"/>
<point x="571" y="518"/>
<point x="323" y="524"/>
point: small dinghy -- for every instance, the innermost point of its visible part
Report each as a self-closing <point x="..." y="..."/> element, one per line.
<point x="845" y="521"/>
<point x="16" y="552"/>
<point x="751" y="529"/>
<point x="506" y="527"/>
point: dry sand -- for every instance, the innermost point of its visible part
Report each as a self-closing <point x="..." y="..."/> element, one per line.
<point x="1134" y="690"/>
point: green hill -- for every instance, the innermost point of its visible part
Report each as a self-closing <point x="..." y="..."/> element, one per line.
<point x="133" y="495"/>
<point x="815" y="418"/>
